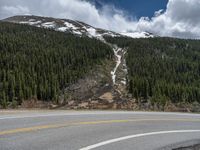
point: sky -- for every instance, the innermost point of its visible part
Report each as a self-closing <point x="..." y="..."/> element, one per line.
<point x="136" y="8"/>
<point x="173" y="18"/>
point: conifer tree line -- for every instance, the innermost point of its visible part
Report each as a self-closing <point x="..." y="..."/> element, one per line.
<point x="40" y="63"/>
<point x="162" y="69"/>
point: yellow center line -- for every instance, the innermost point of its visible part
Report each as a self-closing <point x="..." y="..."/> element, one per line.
<point x="53" y="126"/>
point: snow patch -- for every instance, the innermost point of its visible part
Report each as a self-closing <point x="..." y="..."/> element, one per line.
<point x="62" y="29"/>
<point x="77" y="32"/>
<point x="30" y="22"/>
<point x="92" y="31"/>
<point x="49" y="24"/>
<point x="70" y="26"/>
<point x="137" y="34"/>
<point x="118" y="62"/>
<point x="123" y="82"/>
<point x="111" y="34"/>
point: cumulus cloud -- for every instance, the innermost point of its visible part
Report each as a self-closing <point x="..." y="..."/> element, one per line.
<point x="107" y="17"/>
<point x="180" y="19"/>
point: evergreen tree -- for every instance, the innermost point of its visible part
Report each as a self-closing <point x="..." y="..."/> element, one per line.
<point x="40" y="63"/>
<point x="162" y="69"/>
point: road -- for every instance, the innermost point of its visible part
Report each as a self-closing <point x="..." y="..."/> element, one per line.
<point x="96" y="130"/>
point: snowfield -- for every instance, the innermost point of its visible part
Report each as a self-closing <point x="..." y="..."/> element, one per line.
<point x="74" y="27"/>
<point x="137" y="34"/>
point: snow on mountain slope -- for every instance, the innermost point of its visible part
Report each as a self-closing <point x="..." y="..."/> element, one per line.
<point x="63" y="25"/>
<point x="118" y="72"/>
<point x="75" y="27"/>
<point x="137" y="34"/>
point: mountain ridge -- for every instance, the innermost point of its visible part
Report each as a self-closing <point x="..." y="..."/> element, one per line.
<point x="73" y="26"/>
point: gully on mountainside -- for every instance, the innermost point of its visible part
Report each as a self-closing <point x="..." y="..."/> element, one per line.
<point x="119" y="73"/>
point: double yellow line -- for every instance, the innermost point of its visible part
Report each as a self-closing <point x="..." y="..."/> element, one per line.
<point x="53" y="126"/>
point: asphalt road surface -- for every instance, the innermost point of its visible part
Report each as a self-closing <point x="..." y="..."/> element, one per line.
<point x="97" y="130"/>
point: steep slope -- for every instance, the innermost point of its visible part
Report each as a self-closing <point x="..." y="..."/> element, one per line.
<point x="85" y="67"/>
<point x="163" y="73"/>
<point x="116" y="89"/>
<point x="39" y="64"/>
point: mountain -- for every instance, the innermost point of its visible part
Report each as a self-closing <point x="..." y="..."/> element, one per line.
<point x="75" y="27"/>
<point x="74" y="65"/>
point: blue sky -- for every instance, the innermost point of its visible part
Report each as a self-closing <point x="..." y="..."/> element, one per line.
<point x="179" y="18"/>
<point x="137" y="8"/>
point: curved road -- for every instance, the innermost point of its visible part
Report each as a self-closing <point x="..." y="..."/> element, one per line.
<point x="97" y="130"/>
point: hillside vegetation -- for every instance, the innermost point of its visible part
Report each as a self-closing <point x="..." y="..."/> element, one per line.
<point x="162" y="69"/>
<point x="39" y="63"/>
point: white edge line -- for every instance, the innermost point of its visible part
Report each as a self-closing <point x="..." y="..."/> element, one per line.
<point x="98" y="113"/>
<point x="135" y="136"/>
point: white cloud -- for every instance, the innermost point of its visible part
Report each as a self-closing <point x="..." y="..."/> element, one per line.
<point x="13" y="10"/>
<point x="158" y="13"/>
<point x="181" y="18"/>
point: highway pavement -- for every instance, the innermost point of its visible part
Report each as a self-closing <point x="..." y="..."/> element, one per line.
<point x="97" y="130"/>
